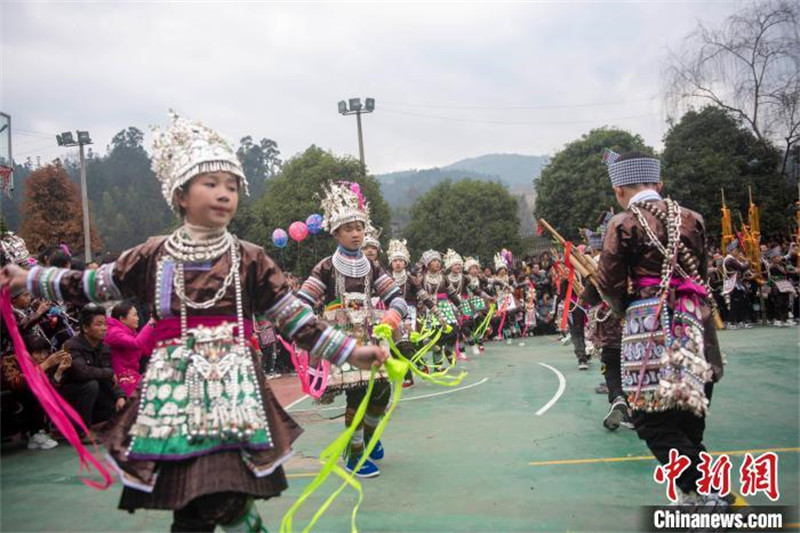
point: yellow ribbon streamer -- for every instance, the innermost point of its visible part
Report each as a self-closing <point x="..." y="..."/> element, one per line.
<point x="481" y="329"/>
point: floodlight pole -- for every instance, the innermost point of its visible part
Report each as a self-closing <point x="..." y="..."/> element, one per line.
<point x="360" y="140"/>
<point x="87" y="238"/>
<point x="357" y="110"/>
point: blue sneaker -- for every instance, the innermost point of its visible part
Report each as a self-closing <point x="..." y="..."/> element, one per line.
<point x="377" y="452"/>
<point x="368" y="469"/>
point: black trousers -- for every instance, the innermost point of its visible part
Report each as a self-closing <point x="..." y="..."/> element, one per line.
<point x="21" y="411"/>
<point x="677" y="429"/>
<point x="93" y="399"/>
<point x="738" y="311"/>
<point x="203" y="514"/>
<point x="381" y="394"/>
<point x="780" y="305"/>
<point x="612" y="360"/>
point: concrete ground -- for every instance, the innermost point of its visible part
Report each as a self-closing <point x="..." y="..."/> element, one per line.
<point x="501" y="452"/>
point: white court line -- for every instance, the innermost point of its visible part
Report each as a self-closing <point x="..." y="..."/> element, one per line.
<point x="431" y="395"/>
<point x="481" y="382"/>
<point x="300" y="399"/>
<point x="562" y="384"/>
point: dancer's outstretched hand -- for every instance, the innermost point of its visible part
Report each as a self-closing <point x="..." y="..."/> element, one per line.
<point x="365" y="357"/>
<point x="13" y="277"/>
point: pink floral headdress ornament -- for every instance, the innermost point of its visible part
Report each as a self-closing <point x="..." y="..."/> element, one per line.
<point x="343" y="202"/>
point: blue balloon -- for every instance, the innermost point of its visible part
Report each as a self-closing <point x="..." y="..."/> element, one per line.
<point x="279" y="238"/>
<point x="314" y="223"/>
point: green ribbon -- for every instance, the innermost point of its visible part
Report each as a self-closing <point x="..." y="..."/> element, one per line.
<point x="438" y="378"/>
<point x="481" y="329"/>
<point x="396" y="370"/>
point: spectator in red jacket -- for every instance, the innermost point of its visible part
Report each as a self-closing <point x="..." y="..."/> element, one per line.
<point x="127" y="346"/>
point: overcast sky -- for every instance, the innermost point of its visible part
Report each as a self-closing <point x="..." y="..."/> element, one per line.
<point x="451" y="80"/>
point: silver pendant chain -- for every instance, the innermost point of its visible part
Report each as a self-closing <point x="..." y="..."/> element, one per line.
<point x="232" y="278"/>
<point x="432" y="282"/>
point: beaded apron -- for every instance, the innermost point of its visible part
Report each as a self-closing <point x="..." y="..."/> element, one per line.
<point x="198" y="398"/>
<point x="355" y="315"/>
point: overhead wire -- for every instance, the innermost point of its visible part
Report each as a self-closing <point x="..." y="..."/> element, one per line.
<point x="519" y="123"/>
<point x="518" y="107"/>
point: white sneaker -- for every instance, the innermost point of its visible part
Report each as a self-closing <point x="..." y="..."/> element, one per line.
<point x="777" y="323"/>
<point x="731" y="326"/>
<point x="566" y="338"/>
<point x="745" y="325"/>
<point x="41" y="441"/>
<point x="475" y="351"/>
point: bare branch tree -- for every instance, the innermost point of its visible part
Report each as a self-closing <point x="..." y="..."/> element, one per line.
<point x="750" y="66"/>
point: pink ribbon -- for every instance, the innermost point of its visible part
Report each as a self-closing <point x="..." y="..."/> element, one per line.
<point x="313" y="382"/>
<point x="59" y="411"/>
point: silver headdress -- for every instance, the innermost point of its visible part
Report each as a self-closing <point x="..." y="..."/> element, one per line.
<point x="14" y="250"/>
<point x="187" y="149"/>
<point x="371" y="236"/>
<point x="452" y="258"/>
<point x="398" y="250"/>
<point x="343" y="203"/>
<point x="431" y="255"/>
<point x="470" y="262"/>
<point x="499" y="262"/>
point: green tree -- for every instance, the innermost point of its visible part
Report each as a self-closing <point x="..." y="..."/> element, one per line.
<point x="260" y="162"/>
<point x="125" y="194"/>
<point x="709" y="150"/>
<point x="295" y="193"/>
<point x="475" y="218"/>
<point x="574" y="187"/>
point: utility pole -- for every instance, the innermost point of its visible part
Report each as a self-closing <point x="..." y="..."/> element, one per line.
<point x="355" y="108"/>
<point x="66" y="139"/>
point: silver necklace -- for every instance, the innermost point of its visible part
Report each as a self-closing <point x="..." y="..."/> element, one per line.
<point x="456" y="280"/>
<point x="432" y="281"/>
<point x="179" y="282"/>
<point x="357" y="267"/>
<point x="184" y="248"/>
<point x="400" y="278"/>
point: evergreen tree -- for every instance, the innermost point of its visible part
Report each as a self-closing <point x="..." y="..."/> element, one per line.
<point x="574" y="187"/>
<point x="709" y="150"/>
<point x="475" y="218"/>
<point x="295" y="193"/>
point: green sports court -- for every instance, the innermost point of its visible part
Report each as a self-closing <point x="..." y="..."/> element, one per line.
<point x="517" y="446"/>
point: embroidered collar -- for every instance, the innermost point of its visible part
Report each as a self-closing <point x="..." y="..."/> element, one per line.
<point x="644" y="196"/>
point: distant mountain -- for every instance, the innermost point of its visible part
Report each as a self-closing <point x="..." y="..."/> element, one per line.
<point x="516" y="171"/>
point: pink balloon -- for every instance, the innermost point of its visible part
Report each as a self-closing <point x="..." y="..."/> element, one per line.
<point x="298" y="231"/>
